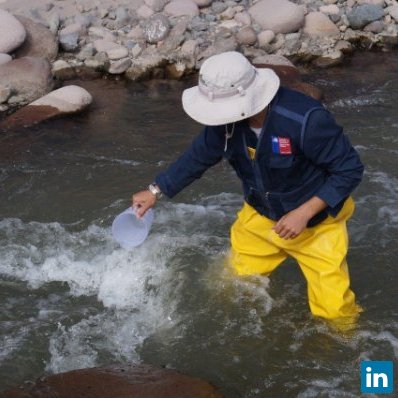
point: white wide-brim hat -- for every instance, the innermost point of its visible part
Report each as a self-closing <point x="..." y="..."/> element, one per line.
<point x="230" y="89"/>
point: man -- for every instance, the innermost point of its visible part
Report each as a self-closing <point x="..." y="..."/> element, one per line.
<point x="297" y="169"/>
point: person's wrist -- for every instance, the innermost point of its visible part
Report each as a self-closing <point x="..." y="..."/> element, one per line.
<point x="155" y="190"/>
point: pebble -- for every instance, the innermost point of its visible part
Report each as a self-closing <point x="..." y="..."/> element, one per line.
<point x="156" y="28"/>
<point x="243" y="18"/>
<point x="156" y="5"/>
<point x="246" y="36"/>
<point x="329" y="9"/>
<point x="188" y="49"/>
<point x="393" y="11"/>
<point x="265" y="37"/>
<point x="69" y="37"/>
<point x="4" y="58"/>
<point x="203" y="3"/>
<point x="5" y="94"/>
<point x="374" y="27"/>
<point x="120" y="66"/>
<point x="145" y="12"/>
<point x="113" y="50"/>
<point x="218" y="7"/>
<point x="12" y="32"/>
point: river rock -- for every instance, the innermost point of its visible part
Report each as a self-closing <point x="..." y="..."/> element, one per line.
<point x="156" y="28"/>
<point x="203" y="3"/>
<point x="375" y="27"/>
<point x="362" y="15"/>
<point x="4" y="58"/>
<point x="175" y="37"/>
<point x="246" y="36"/>
<point x="145" y="12"/>
<point x="134" y="381"/>
<point x="156" y="5"/>
<point x="5" y="93"/>
<point x="318" y="24"/>
<point x="280" y="16"/>
<point x="330" y="9"/>
<point x="12" y="32"/>
<point x="273" y="59"/>
<point x="374" y="2"/>
<point x="120" y="66"/>
<point x="113" y="50"/>
<point x="393" y="11"/>
<point x="328" y="60"/>
<point x="243" y="18"/>
<point x="39" y="42"/>
<point x="178" y="8"/>
<point x="344" y="46"/>
<point x="218" y="7"/>
<point x="63" y="71"/>
<point x="69" y="37"/>
<point x="188" y="49"/>
<point x="219" y="46"/>
<point x="265" y="37"/>
<point x="64" y="101"/>
<point x="29" y="78"/>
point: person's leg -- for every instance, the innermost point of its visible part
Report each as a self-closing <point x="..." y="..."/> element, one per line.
<point x="252" y="251"/>
<point x="322" y="258"/>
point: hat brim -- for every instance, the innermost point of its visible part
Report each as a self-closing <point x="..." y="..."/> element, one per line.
<point x="221" y="111"/>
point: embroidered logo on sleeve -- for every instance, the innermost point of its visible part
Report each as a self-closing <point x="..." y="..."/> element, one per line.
<point x="281" y="145"/>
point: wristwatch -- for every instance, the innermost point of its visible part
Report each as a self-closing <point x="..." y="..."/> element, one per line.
<point x="154" y="189"/>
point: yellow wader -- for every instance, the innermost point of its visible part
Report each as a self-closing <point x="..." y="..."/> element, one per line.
<point x="320" y="251"/>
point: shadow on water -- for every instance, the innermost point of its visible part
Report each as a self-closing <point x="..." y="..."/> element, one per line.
<point x="72" y="298"/>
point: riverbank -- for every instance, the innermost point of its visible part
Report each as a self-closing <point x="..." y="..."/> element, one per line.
<point x="144" y="39"/>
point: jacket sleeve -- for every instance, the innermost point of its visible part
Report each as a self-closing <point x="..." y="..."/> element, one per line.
<point x="206" y="150"/>
<point x="325" y="144"/>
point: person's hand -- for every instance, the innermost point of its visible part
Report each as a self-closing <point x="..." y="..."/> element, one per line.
<point x="292" y="224"/>
<point x="142" y="201"/>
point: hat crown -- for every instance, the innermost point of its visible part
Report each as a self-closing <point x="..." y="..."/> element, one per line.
<point x="224" y="70"/>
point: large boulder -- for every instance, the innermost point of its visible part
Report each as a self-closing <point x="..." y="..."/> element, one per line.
<point x="64" y="101"/>
<point x="362" y="15"/>
<point x="318" y="24"/>
<point x="136" y="381"/>
<point x="12" y="33"/>
<point x="280" y="16"/>
<point x="40" y="42"/>
<point x="28" y="77"/>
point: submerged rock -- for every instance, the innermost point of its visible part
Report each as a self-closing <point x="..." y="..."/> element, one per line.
<point x="12" y="32"/>
<point x="64" y="101"/>
<point x="135" y="381"/>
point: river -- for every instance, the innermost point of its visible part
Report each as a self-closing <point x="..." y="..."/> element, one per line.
<point x="71" y="298"/>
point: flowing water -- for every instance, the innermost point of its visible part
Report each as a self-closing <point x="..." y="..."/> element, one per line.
<point x="71" y="298"/>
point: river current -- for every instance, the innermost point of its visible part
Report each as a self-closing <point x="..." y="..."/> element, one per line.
<point x="72" y="298"/>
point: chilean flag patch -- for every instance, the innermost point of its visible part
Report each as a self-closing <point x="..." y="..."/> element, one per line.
<point x="281" y="145"/>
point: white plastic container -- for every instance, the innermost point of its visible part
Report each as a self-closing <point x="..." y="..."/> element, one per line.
<point x="130" y="231"/>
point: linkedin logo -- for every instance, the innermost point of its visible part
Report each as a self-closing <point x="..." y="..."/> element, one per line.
<point x="377" y="377"/>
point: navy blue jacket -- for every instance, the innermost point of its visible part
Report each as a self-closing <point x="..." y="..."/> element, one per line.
<point x="300" y="153"/>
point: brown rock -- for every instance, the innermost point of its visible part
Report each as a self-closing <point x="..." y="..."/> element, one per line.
<point x="29" y="78"/>
<point x="136" y="381"/>
<point x="39" y="42"/>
